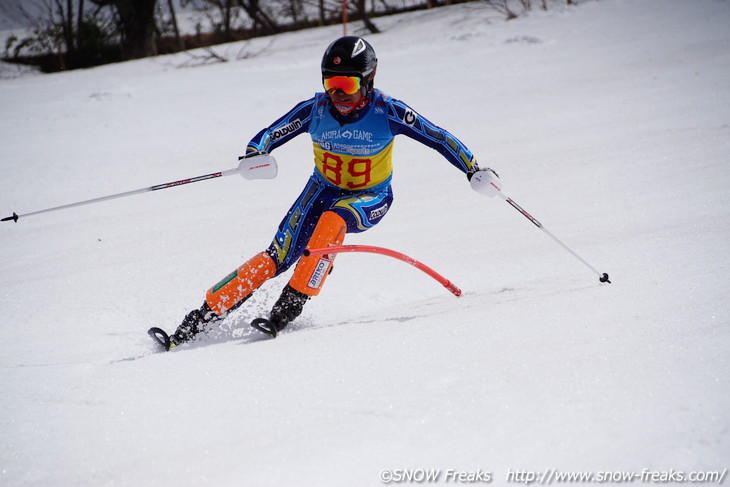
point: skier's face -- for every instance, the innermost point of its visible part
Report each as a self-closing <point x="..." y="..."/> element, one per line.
<point x="340" y="96"/>
<point x="345" y="103"/>
<point x="344" y="91"/>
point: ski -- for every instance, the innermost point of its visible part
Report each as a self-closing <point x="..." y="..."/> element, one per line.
<point x="163" y="341"/>
<point x="161" y="337"/>
<point x="265" y="326"/>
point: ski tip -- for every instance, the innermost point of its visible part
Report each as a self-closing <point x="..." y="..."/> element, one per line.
<point x="161" y="337"/>
<point x="14" y="217"/>
<point x="265" y="326"/>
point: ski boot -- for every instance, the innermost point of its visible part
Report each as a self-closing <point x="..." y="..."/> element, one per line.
<point x="287" y="308"/>
<point x="194" y="322"/>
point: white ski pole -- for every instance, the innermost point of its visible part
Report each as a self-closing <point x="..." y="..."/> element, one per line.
<point x="258" y="167"/>
<point x="487" y="182"/>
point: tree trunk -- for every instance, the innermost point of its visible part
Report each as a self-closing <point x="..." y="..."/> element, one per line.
<point x="67" y="25"/>
<point x="227" y="20"/>
<point x="363" y="13"/>
<point x="259" y="17"/>
<point x="80" y="18"/>
<point x="137" y="23"/>
<point x="178" y="39"/>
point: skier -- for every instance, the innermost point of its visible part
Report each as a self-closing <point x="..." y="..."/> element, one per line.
<point x="352" y="126"/>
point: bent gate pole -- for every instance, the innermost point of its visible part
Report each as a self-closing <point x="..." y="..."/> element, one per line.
<point x="390" y="253"/>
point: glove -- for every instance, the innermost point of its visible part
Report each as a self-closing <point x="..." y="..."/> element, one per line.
<point x="485" y="181"/>
<point x="252" y="153"/>
<point x="257" y="165"/>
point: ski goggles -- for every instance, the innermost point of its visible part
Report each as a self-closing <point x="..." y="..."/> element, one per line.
<point x="348" y="84"/>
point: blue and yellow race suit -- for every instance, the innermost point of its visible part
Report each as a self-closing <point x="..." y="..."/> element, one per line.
<point x="353" y="164"/>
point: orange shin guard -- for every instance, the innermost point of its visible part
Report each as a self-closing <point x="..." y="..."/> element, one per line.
<point x="311" y="271"/>
<point x="239" y="284"/>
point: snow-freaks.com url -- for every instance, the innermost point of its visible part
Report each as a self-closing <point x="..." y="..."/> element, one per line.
<point x="555" y="476"/>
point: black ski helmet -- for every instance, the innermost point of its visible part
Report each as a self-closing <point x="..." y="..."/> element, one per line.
<point x="351" y="56"/>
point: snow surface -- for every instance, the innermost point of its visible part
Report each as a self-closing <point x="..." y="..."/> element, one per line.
<point x="609" y="122"/>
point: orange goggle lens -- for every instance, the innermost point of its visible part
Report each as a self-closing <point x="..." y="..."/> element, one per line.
<point x="349" y="84"/>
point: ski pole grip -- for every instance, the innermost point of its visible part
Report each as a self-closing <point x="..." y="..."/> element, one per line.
<point x="262" y="166"/>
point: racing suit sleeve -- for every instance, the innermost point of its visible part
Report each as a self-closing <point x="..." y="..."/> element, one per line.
<point x="404" y="120"/>
<point x="295" y="122"/>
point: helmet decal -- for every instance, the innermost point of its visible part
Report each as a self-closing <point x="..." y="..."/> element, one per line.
<point x="337" y="60"/>
<point x="359" y="47"/>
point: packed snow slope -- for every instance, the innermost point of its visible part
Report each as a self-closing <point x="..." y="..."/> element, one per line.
<point x="609" y="122"/>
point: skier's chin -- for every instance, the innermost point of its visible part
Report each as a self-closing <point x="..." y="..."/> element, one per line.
<point x="344" y="109"/>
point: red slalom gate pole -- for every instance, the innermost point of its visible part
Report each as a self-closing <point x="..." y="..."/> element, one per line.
<point x="390" y="253"/>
